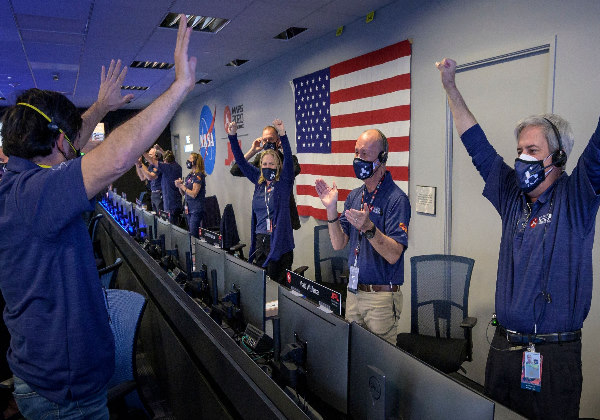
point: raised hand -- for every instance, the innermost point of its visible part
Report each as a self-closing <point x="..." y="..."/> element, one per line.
<point x="359" y="218"/>
<point x="232" y="129"/>
<point x="278" y="124"/>
<point x="109" y="94"/>
<point x="447" y="68"/>
<point x="185" y="69"/>
<point x="328" y="195"/>
<point x="257" y="145"/>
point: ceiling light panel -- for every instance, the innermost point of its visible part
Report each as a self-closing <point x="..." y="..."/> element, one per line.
<point x="196" y="22"/>
<point x="152" y="65"/>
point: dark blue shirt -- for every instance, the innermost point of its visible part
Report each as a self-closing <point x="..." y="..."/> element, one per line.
<point x="171" y="195"/>
<point x="263" y="206"/>
<point x="547" y="248"/>
<point x="61" y="342"/>
<point x="156" y="183"/>
<point x="195" y="205"/>
<point x="391" y="214"/>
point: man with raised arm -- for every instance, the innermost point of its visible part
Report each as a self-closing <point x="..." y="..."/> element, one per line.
<point x="544" y="279"/>
<point x="375" y="224"/>
<point x="62" y="349"/>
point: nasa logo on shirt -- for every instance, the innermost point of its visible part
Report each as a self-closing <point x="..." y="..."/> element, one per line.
<point x="208" y="149"/>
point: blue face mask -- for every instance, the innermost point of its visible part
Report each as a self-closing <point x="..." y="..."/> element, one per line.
<point x="269" y="173"/>
<point x="530" y="172"/>
<point x="363" y="168"/>
<point x="269" y="146"/>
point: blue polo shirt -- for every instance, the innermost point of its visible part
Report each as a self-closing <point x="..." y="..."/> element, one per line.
<point x="391" y="215"/>
<point x="263" y="206"/>
<point x="545" y="247"/>
<point x="156" y="183"/>
<point x="61" y="342"/>
<point x="171" y="195"/>
<point x="195" y="205"/>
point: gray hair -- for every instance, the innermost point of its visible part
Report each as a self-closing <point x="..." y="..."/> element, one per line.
<point x="562" y="125"/>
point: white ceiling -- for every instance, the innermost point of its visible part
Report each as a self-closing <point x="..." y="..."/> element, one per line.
<point x="74" y="38"/>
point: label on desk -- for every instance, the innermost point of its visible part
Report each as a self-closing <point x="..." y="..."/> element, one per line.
<point x="321" y="295"/>
<point x="211" y="237"/>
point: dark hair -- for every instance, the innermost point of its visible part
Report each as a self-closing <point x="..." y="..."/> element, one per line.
<point x="169" y="157"/>
<point x="27" y="134"/>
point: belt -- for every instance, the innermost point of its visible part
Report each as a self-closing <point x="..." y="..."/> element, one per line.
<point x="378" y="287"/>
<point x="518" y="338"/>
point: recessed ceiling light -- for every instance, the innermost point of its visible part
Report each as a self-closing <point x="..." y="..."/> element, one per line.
<point x="196" y="22"/>
<point x="236" y="62"/>
<point x="203" y="81"/>
<point x="289" y="33"/>
<point x="153" y="65"/>
<point x="129" y="87"/>
<point x="2" y="98"/>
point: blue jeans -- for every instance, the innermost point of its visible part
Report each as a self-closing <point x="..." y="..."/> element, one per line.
<point x="34" y="406"/>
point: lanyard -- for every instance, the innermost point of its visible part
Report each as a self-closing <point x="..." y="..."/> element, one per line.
<point x="362" y="200"/>
<point x="267" y="199"/>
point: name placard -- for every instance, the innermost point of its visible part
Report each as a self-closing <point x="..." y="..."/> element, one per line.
<point x="213" y="238"/>
<point x="323" y="296"/>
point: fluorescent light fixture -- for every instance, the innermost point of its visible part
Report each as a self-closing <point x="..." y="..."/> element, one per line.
<point x="236" y="62"/>
<point x="2" y="98"/>
<point x="203" y="81"/>
<point x="153" y="65"/>
<point x="130" y="87"/>
<point x="289" y="33"/>
<point x="196" y="22"/>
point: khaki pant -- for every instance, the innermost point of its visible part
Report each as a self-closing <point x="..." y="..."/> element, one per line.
<point x="379" y="312"/>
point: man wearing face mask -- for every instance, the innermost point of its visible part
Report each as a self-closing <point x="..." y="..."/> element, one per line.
<point x="270" y="141"/>
<point x="375" y="224"/>
<point x="544" y="280"/>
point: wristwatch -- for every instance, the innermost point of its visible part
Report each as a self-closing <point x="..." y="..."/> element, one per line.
<point x="371" y="232"/>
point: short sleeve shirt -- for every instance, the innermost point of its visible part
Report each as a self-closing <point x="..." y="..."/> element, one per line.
<point x="171" y="195"/>
<point x="156" y="183"/>
<point x="195" y="205"/>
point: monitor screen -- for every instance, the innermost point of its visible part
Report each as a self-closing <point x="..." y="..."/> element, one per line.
<point x="389" y="383"/>
<point x="181" y="239"/>
<point x="327" y="337"/>
<point x="164" y="228"/>
<point x="147" y="219"/>
<point x="214" y="258"/>
<point x="250" y="279"/>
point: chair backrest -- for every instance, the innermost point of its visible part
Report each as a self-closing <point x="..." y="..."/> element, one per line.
<point x="329" y="263"/>
<point x="439" y="294"/>
<point x="229" y="230"/>
<point x="93" y="225"/>
<point x="108" y="275"/>
<point x="125" y="310"/>
<point x="212" y="214"/>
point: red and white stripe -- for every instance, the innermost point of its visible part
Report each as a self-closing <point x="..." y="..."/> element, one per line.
<point x="369" y="91"/>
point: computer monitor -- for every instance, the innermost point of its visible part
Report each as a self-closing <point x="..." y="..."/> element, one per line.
<point x="327" y="340"/>
<point x="214" y="259"/>
<point x="147" y="219"/>
<point x="390" y="383"/>
<point x="163" y="227"/>
<point x="181" y="239"/>
<point x="250" y="279"/>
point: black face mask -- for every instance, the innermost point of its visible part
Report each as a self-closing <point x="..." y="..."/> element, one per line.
<point x="269" y="146"/>
<point x="189" y="164"/>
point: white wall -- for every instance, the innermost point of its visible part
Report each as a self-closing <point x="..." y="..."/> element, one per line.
<point x="465" y="31"/>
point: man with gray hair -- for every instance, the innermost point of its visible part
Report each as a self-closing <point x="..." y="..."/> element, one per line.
<point x="544" y="279"/>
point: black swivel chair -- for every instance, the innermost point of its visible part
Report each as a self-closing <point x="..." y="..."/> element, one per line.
<point x="331" y="266"/>
<point x="441" y="330"/>
<point x="108" y="275"/>
<point x="212" y="214"/>
<point x="92" y="229"/>
<point x="229" y="232"/>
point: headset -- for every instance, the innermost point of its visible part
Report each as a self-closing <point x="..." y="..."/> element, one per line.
<point x="383" y="155"/>
<point x="559" y="157"/>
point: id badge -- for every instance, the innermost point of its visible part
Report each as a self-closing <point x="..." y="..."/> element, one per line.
<point x="186" y="209"/>
<point x="269" y="225"/>
<point x="353" y="280"/>
<point x="531" y="371"/>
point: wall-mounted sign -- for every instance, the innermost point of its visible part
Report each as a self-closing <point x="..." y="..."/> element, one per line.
<point x="426" y="199"/>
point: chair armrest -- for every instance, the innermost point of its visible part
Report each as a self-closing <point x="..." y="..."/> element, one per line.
<point x="469" y="322"/>
<point x="300" y="270"/>
<point x="8" y="383"/>
<point x="237" y="247"/>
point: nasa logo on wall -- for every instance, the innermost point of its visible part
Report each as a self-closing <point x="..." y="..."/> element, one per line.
<point x="226" y="117"/>
<point x="208" y="149"/>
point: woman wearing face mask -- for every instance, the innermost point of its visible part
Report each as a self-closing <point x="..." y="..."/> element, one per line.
<point x="272" y="241"/>
<point x="194" y="189"/>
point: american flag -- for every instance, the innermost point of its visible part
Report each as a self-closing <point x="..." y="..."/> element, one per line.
<point x="335" y="105"/>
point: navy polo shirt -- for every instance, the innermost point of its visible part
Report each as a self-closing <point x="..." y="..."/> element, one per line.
<point x="195" y="205"/>
<point x="391" y="215"/>
<point x="263" y="195"/>
<point x="61" y="342"/>
<point x="546" y="247"/>
<point x="156" y="183"/>
<point x="171" y="195"/>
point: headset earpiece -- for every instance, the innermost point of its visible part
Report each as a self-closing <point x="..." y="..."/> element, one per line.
<point x="382" y="156"/>
<point x="559" y="157"/>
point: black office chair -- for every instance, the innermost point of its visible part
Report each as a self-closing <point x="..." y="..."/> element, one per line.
<point x="92" y="229"/>
<point x="441" y="330"/>
<point x="212" y="214"/>
<point x="108" y="275"/>
<point x="125" y="309"/>
<point x="229" y="232"/>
